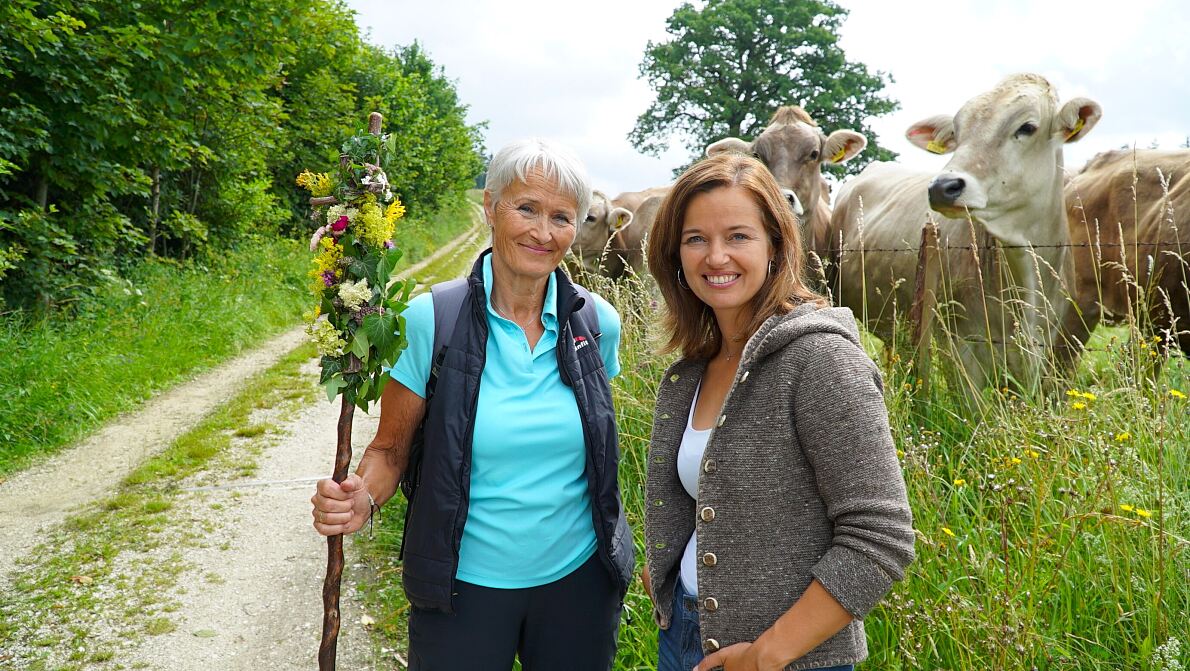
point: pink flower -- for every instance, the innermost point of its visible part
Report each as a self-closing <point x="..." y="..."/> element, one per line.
<point x="317" y="236"/>
<point x="340" y="224"/>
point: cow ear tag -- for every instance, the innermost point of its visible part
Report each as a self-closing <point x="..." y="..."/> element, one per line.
<point x="935" y="147"/>
<point x="839" y="156"/>
<point x="1077" y="127"/>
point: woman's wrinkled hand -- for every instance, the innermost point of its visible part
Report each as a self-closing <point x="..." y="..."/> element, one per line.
<point x="340" y="507"/>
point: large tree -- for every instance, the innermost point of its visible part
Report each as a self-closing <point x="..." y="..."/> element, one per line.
<point x="731" y="64"/>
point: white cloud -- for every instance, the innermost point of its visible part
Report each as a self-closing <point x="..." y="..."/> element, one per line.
<point x="569" y="71"/>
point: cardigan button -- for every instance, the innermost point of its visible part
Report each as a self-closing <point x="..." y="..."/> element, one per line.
<point x="665" y="415"/>
<point x="675" y="377"/>
<point x="709" y="466"/>
<point x="707" y="514"/>
<point x="722" y="418"/>
<point x="710" y="559"/>
<point x="744" y="377"/>
<point x="710" y="604"/>
<point x="710" y="645"/>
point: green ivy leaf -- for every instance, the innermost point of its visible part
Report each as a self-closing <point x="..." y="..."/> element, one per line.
<point x="382" y="332"/>
<point x="333" y="387"/>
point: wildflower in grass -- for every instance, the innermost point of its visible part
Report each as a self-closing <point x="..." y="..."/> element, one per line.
<point x="1126" y="507"/>
<point x="1033" y="454"/>
<point x="1123" y="437"/>
<point x="1015" y="461"/>
<point x="1089" y="396"/>
<point x="1074" y="393"/>
<point x="948" y="532"/>
<point x="355" y="294"/>
<point x="1143" y="513"/>
<point x="900" y="454"/>
<point x="1177" y="394"/>
<point x="959" y="482"/>
<point x="1079" y="405"/>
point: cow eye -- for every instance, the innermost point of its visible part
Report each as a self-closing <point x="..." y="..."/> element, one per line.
<point x="814" y="155"/>
<point x="756" y="156"/>
<point x="1028" y="128"/>
<point x="590" y="219"/>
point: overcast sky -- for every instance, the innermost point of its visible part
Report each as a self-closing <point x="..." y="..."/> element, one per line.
<point x="570" y="70"/>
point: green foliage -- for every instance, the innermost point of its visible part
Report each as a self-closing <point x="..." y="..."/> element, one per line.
<point x="167" y="128"/>
<point x="61" y="376"/>
<point x="731" y="64"/>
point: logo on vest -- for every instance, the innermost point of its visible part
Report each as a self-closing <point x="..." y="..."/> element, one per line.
<point x="580" y="342"/>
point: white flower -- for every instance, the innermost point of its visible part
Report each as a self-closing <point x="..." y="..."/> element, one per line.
<point x="355" y="294"/>
<point x="335" y="211"/>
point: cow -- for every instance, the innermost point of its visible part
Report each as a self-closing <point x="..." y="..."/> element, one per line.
<point x="794" y="148"/>
<point x="1129" y="216"/>
<point x="1005" y="271"/>
<point x="608" y="241"/>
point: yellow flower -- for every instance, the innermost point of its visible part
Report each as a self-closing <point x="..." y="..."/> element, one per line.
<point x="959" y="482"/>
<point x="1033" y="454"/>
<point x="1089" y="396"/>
<point x="1015" y="461"/>
<point x="1073" y="392"/>
<point x="317" y="183"/>
<point x="948" y="532"/>
<point x="1126" y="508"/>
<point x="1079" y="405"/>
<point x="1143" y="513"/>
<point x="1156" y="338"/>
<point x="1176" y="394"/>
<point x="394" y="211"/>
<point x="1123" y="437"/>
<point x="900" y="454"/>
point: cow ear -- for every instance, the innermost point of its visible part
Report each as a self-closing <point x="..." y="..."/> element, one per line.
<point x="619" y="218"/>
<point x="842" y="146"/>
<point x="935" y="134"/>
<point x="1076" y="118"/>
<point x="729" y="144"/>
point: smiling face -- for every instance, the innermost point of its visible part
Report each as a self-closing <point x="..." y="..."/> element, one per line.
<point x="725" y="253"/>
<point x="533" y="225"/>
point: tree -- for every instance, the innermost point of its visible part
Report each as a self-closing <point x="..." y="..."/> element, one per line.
<point x="731" y="64"/>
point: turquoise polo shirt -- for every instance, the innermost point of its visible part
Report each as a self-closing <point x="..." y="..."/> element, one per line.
<point x="529" y="521"/>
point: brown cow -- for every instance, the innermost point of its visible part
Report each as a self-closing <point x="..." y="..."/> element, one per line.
<point x="609" y="241"/>
<point x="1005" y="269"/>
<point x="795" y="149"/>
<point x="1129" y="214"/>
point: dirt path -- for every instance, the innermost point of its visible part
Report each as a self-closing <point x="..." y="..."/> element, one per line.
<point x="244" y="564"/>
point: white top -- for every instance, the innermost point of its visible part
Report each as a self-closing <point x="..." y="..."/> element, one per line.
<point x="694" y="444"/>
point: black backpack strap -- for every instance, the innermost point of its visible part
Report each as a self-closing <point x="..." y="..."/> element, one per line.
<point x="448" y="301"/>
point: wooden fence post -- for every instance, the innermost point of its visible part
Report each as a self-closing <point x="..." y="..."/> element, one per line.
<point x="925" y="300"/>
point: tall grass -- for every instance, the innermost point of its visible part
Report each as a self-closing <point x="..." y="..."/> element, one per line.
<point x="63" y="375"/>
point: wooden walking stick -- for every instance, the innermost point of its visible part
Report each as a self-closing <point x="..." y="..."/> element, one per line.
<point x="359" y="337"/>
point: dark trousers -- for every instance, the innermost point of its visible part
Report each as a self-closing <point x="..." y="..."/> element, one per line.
<point x="570" y="624"/>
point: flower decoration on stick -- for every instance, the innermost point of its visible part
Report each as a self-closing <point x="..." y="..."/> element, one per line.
<point x="356" y="323"/>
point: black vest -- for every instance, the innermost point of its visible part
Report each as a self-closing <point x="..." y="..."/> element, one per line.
<point x="439" y="507"/>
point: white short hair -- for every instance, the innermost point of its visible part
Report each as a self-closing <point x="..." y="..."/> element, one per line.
<point x="518" y="158"/>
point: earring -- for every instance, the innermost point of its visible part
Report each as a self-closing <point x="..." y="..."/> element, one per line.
<point x="772" y="267"/>
<point x="680" y="284"/>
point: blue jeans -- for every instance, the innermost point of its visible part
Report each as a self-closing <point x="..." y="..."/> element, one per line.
<point x="679" y="648"/>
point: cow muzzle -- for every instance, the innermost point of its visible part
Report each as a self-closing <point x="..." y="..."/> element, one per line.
<point x="951" y="193"/>
<point x="795" y="203"/>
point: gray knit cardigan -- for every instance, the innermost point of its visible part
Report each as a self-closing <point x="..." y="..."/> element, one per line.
<point x="800" y="480"/>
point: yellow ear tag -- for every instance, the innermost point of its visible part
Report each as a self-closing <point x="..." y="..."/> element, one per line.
<point x="839" y="156"/>
<point x="935" y="147"/>
<point x="1077" y="127"/>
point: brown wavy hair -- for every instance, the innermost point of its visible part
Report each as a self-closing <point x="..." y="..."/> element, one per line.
<point x="690" y="323"/>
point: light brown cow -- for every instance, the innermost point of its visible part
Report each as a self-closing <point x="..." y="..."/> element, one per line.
<point x="1005" y="263"/>
<point x="1129" y="214"/>
<point x="609" y="241"/>
<point x="794" y="148"/>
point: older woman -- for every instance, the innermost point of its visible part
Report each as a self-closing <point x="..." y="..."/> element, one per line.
<point x="516" y="542"/>
<point x="777" y="515"/>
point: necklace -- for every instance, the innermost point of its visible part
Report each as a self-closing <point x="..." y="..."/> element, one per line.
<point x="728" y="355"/>
<point x="506" y="315"/>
